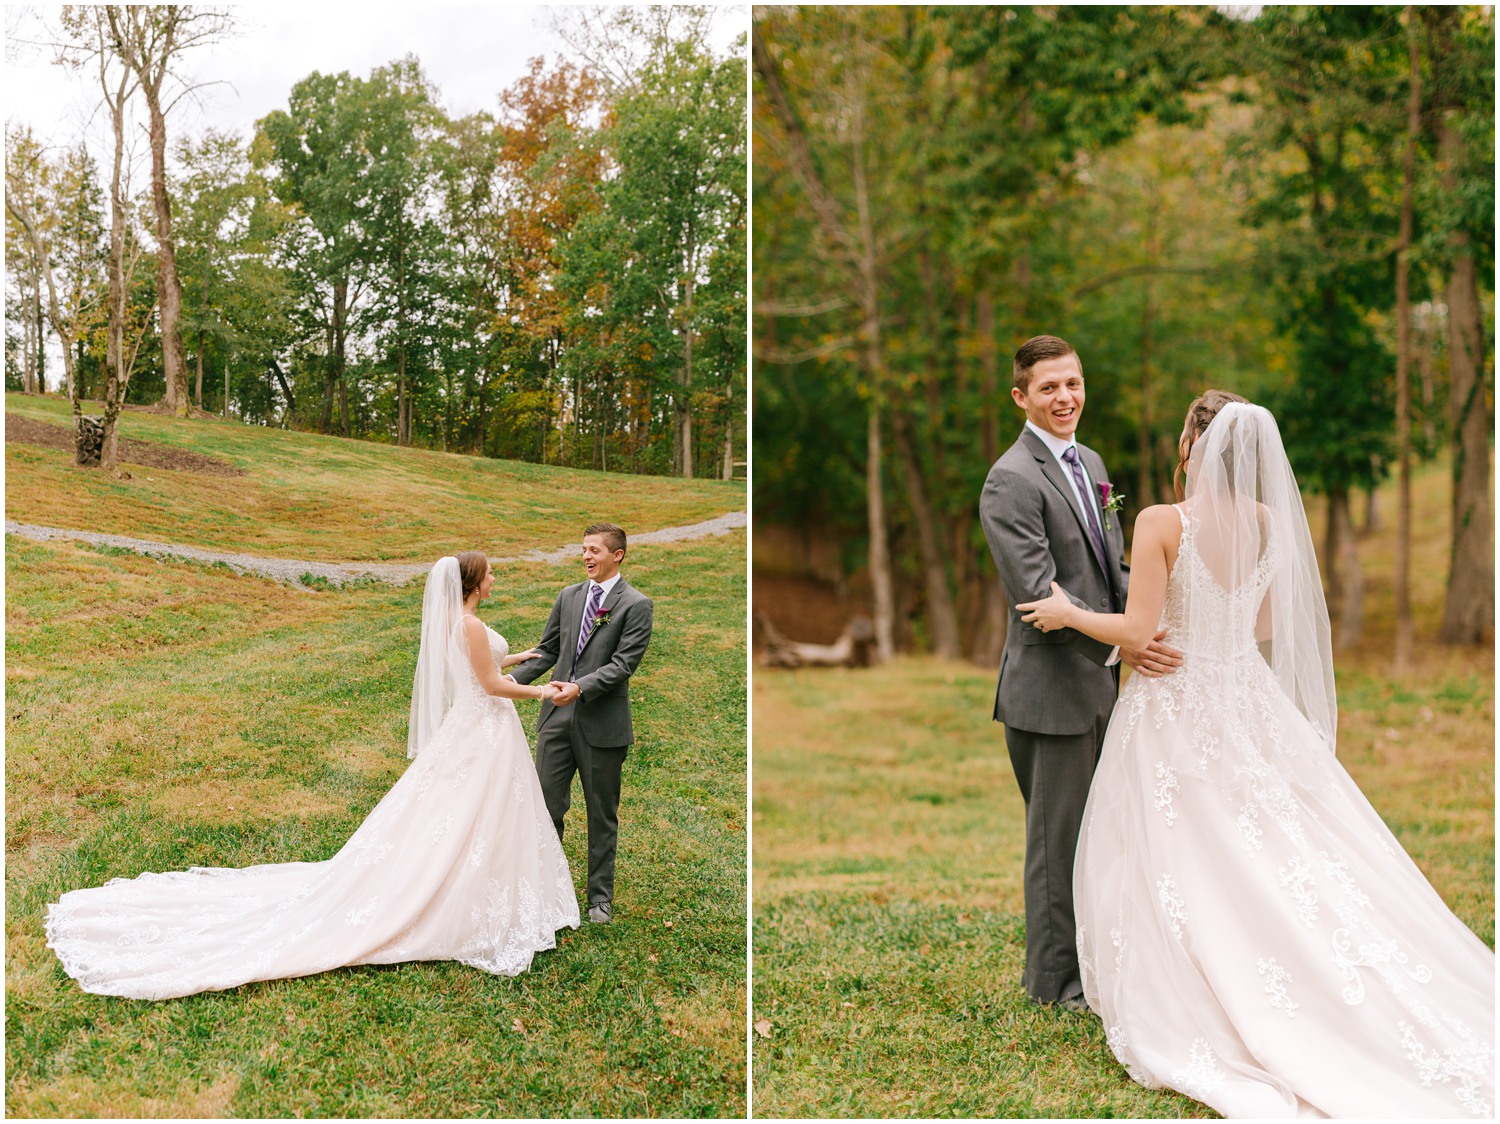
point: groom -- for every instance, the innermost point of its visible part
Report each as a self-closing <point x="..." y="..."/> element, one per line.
<point x="1043" y="520"/>
<point x="595" y="637"/>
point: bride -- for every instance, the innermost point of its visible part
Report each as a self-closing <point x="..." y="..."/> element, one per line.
<point x="1248" y="929"/>
<point x="459" y="861"/>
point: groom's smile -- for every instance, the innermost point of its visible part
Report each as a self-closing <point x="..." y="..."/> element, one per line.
<point x="1053" y="399"/>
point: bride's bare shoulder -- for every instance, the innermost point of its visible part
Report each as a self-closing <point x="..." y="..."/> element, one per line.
<point x="1159" y="518"/>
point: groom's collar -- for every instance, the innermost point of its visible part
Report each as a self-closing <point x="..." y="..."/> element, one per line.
<point x="1057" y="446"/>
<point x="608" y="585"/>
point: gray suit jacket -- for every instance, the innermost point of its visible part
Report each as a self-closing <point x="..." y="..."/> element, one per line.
<point x="603" y="669"/>
<point x="1050" y="682"/>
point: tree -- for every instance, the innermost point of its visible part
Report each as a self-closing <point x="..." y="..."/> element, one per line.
<point x="1332" y="78"/>
<point x="92" y="45"/>
<point x="1460" y="203"/>
<point x="932" y="146"/>
<point x="56" y="206"/>
<point x="150" y="41"/>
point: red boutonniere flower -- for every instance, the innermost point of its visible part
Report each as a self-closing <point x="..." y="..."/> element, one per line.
<point x="601" y="618"/>
<point x="1110" y="499"/>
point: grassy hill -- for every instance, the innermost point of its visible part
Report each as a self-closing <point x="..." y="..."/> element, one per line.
<point x="334" y="500"/>
<point x="168" y="714"/>
<point x="889" y="836"/>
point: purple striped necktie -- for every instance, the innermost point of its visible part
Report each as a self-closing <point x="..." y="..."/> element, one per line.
<point x="596" y="594"/>
<point x="1070" y="455"/>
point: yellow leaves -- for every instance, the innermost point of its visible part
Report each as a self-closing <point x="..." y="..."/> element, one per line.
<point x="763" y="1027"/>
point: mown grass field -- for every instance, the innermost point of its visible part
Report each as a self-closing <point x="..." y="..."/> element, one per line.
<point x="163" y="715"/>
<point x="328" y="499"/>
<point x="888" y="837"/>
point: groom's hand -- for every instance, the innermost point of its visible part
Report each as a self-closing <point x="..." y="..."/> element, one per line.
<point x="1154" y="660"/>
<point x="566" y="693"/>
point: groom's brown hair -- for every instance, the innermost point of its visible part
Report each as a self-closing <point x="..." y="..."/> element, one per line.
<point x="613" y="536"/>
<point x="1032" y="352"/>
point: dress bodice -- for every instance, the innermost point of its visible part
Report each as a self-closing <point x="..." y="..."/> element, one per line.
<point x="498" y="646"/>
<point x="466" y="681"/>
<point x="1201" y="617"/>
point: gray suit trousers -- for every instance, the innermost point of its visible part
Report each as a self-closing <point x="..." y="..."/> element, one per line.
<point x="562" y="750"/>
<point x="1054" y="772"/>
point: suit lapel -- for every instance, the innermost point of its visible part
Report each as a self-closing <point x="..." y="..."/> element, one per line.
<point x="1054" y="474"/>
<point x="1094" y="475"/>
<point x="572" y="620"/>
<point x="610" y="602"/>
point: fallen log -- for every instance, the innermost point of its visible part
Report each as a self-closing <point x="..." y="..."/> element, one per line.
<point x="855" y="647"/>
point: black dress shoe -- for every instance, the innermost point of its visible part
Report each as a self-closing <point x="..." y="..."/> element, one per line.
<point x="601" y="913"/>
<point x="1077" y="1004"/>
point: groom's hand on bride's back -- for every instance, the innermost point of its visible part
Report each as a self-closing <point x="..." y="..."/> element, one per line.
<point x="1154" y="660"/>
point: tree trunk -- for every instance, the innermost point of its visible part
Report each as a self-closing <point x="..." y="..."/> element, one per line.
<point x="1331" y="560"/>
<point x="64" y="328"/>
<point x="168" y="288"/>
<point x="989" y="371"/>
<point x="40" y="334"/>
<point x="1352" y="603"/>
<point x="29" y="328"/>
<point x="334" y="367"/>
<point x="291" y="401"/>
<point x="682" y="404"/>
<point x="1144" y="445"/>
<point x="1405" y="627"/>
<point x="1469" y="609"/>
<point x="941" y="619"/>
<point x="880" y="556"/>
<point x="198" y="382"/>
<point x="1429" y="389"/>
<point x="117" y="377"/>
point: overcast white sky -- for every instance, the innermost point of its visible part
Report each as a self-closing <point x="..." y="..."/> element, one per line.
<point x="471" y="52"/>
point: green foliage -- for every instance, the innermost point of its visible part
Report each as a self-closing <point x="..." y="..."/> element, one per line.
<point x="1192" y="198"/>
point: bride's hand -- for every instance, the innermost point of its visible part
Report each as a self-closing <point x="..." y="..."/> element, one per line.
<point x="1050" y="613"/>
<point x="528" y="654"/>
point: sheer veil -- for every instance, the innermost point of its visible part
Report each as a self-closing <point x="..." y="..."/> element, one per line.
<point x="441" y="659"/>
<point x="1250" y="530"/>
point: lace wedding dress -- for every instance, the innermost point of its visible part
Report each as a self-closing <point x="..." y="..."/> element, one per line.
<point x="459" y="861"/>
<point x="1249" y="931"/>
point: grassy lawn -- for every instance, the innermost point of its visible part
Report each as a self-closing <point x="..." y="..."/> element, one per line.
<point x="328" y="499"/>
<point x="888" y="839"/>
<point x="164" y="715"/>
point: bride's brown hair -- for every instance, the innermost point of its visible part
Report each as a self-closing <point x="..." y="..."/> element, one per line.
<point x="471" y="567"/>
<point x="1204" y="409"/>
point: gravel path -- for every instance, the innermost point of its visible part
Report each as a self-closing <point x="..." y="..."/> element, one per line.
<point x="292" y="571"/>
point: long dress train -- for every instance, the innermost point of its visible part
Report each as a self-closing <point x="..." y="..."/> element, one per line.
<point x="1249" y="930"/>
<point x="459" y="861"/>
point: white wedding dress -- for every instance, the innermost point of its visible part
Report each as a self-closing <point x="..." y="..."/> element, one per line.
<point x="1249" y="931"/>
<point x="459" y="861"/>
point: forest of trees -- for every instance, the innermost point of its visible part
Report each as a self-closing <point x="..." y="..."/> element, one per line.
<point x="1293" y="203"/>
<point x="560" y="280"/>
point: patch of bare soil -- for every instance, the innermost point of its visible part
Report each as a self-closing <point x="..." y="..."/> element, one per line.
<point x="149" y="454"/>
<point x="804" y="609"/>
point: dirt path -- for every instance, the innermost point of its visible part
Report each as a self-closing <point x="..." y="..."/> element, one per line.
<point x="292" y="571"/>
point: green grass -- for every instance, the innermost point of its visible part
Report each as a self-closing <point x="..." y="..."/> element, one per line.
<point x="889" y="835"/>
<point x="162" y="715"/>
<point x="328" y="499"/>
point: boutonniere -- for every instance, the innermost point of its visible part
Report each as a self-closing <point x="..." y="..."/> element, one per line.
<point x="601" y="618"/>
<point x="1110" y="499"/>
